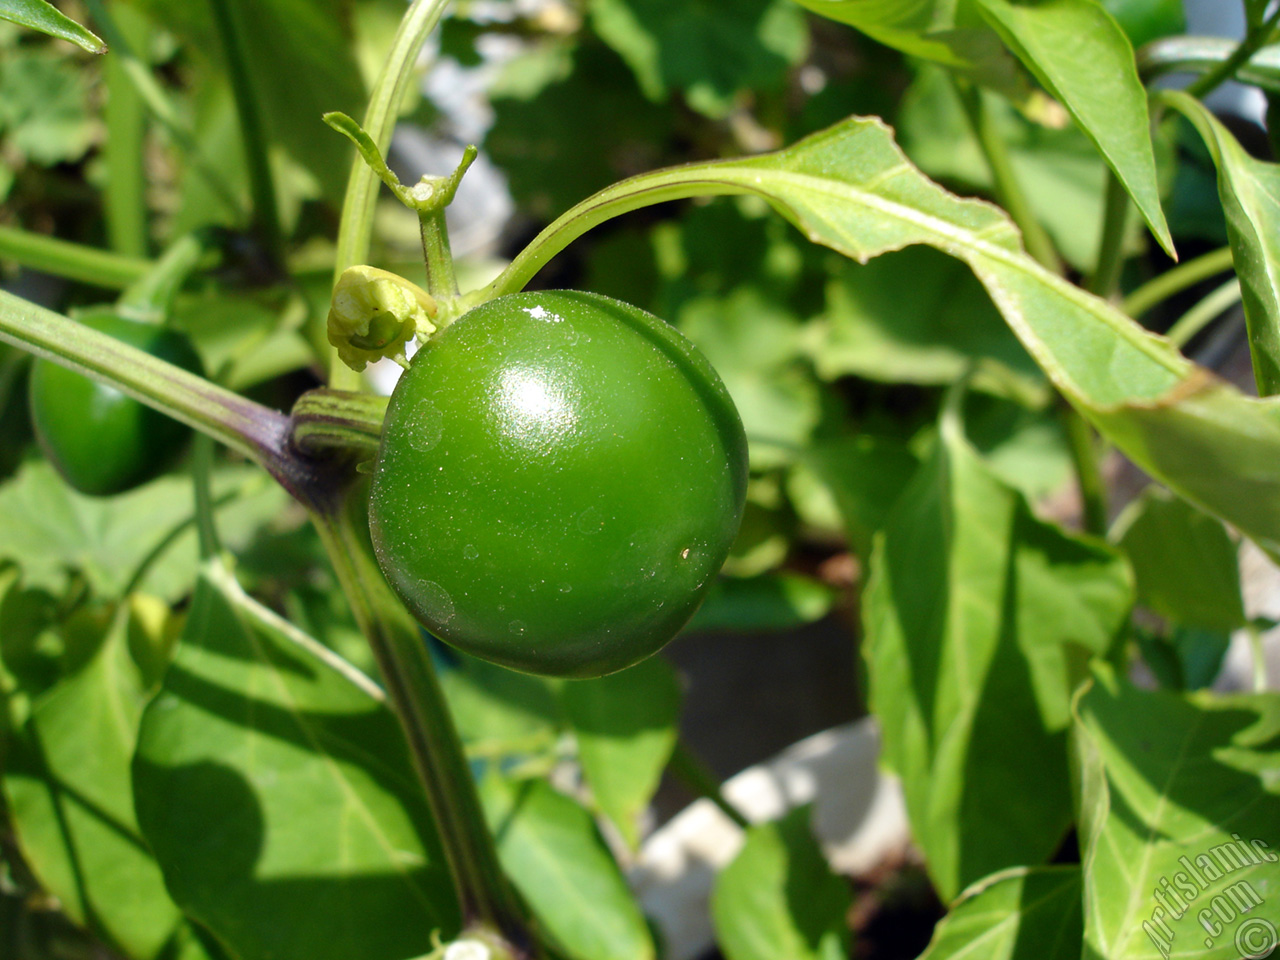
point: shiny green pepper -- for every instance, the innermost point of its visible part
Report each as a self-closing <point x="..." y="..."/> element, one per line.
<point x="560" y="477"/>
<point x="101" y="441"/>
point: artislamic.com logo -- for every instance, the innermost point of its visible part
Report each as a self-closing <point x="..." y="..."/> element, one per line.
<point x="1220" y="909"/>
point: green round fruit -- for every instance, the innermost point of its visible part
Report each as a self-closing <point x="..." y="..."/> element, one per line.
<point x="101" y="441"/>
<point x="561" y="476"/>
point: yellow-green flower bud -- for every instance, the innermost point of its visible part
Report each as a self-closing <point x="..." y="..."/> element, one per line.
<point x="375" y="313"/>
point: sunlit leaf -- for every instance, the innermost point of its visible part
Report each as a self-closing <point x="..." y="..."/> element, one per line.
<point x="708" y="52"/>
<point x="1250" y="193"/>
<point x="51" y="530"/>
<point x="275" y="788"/>
<point x="1179" y="807"/>
<point x="1018" y="914"/>
<point x="779" y="898"/>
<point x="978" y="618"/>
<point x="551" y="850"/>
<point x="1184" y="562"/>
<point x="71" y="799"/>
<point x="43" y="16"/>
<point x="1082" y="57"/>
<point x="626" y="727"/>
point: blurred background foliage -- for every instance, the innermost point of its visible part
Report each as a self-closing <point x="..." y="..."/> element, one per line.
<point x="838" y="369"/>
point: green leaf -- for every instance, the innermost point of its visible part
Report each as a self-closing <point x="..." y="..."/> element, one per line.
<point x="779" y="898"/>
<point x="978" y="618"/>
<point x="1082" y="57"/>
<point x="1147" y="20"/>
<point x="942" y="31"/>
<point x="499" y="712"/>
<point x="1018" y="914"/>
<point x="755" y="344"/>
<point x="51" y="530"/>
<point x="1178" y="811"/>
<point x="709" y="52"/>
<point x="1184" y="562"/>
<point x="44" y="107"/>
<point x="301" y="64"/>
<point x="586" y="125"/>
<point x="275" y="788"/>
<point x="43" y="16"/>
<point x="626" y="727"/>
<point x="553" y="853"/>
<point x="71" y="800"/>
<point x="1058" y="168"/>
<point x="779" y="601"/>
<point x="913" y="317"/>
<point x="1250" y="193"/>
<point x="1188" y="658"/>
<point x="1024" y="446"/>
<point x="866" y="475"/>
<point x="851" y="189"/>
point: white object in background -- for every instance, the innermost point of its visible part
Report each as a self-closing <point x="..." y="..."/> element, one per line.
<point x="859" y="817"/>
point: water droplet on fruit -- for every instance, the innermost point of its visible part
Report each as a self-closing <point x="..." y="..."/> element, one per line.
<point x="591" y="520"/>
<point x="566" y="587"/>
<point x="428" y="426"/>
<point x="437" y="605"/>
<point x="470" y="551"/>
<point x="517" y="626"/>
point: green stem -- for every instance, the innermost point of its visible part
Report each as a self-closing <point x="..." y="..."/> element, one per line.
<point x="1202" y="54"/>
<point x="177" y="530"/>
<point x="1204" y="312"/>
<point x="1115" y="221"/>
<point x="247" y="427"/>
<point x="690" y="769"/>
<point x="151" y="297"/>
<point x="126" y="117"/>
<point x="202" y="482"/>
<point x="441" y="282"/>
<point x="379" y="121"/>
<point x="1259" y="657"/>
<point x="1174" y="281"/>
<point x="414" y="691"/>
<point x="63" y="258"/>
<point x="1258" y="36"/>
<point x="257" y="156"/>
<point x="1007" y="189"/>
<point x="162" y="109"/>
<point x="1084" y="457"/>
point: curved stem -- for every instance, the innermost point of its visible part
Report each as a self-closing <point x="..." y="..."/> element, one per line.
<point x="379" y="121"/>
<point x="1115" y="220"/>
<point x="1204" y="312"/>
<point x="633" y="193"/>
<point x="1209" y="56"/>
<point x="689" y="768"/>
<point x="62" y="258"/>
<point x="265" y="210"/>
<point x="1257" y="36"/>
<point x="1008" y="190"/>
<point x="202" y="482"/>
<point x="1084" y="458"/>
<point x="148" y="562"/>
<point x="405" y="664"/>
<point x="126" y="118"/>
<point x="1174" y="281"/>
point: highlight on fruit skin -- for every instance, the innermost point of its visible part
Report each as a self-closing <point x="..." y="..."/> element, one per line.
<point x="374" y="313"/>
